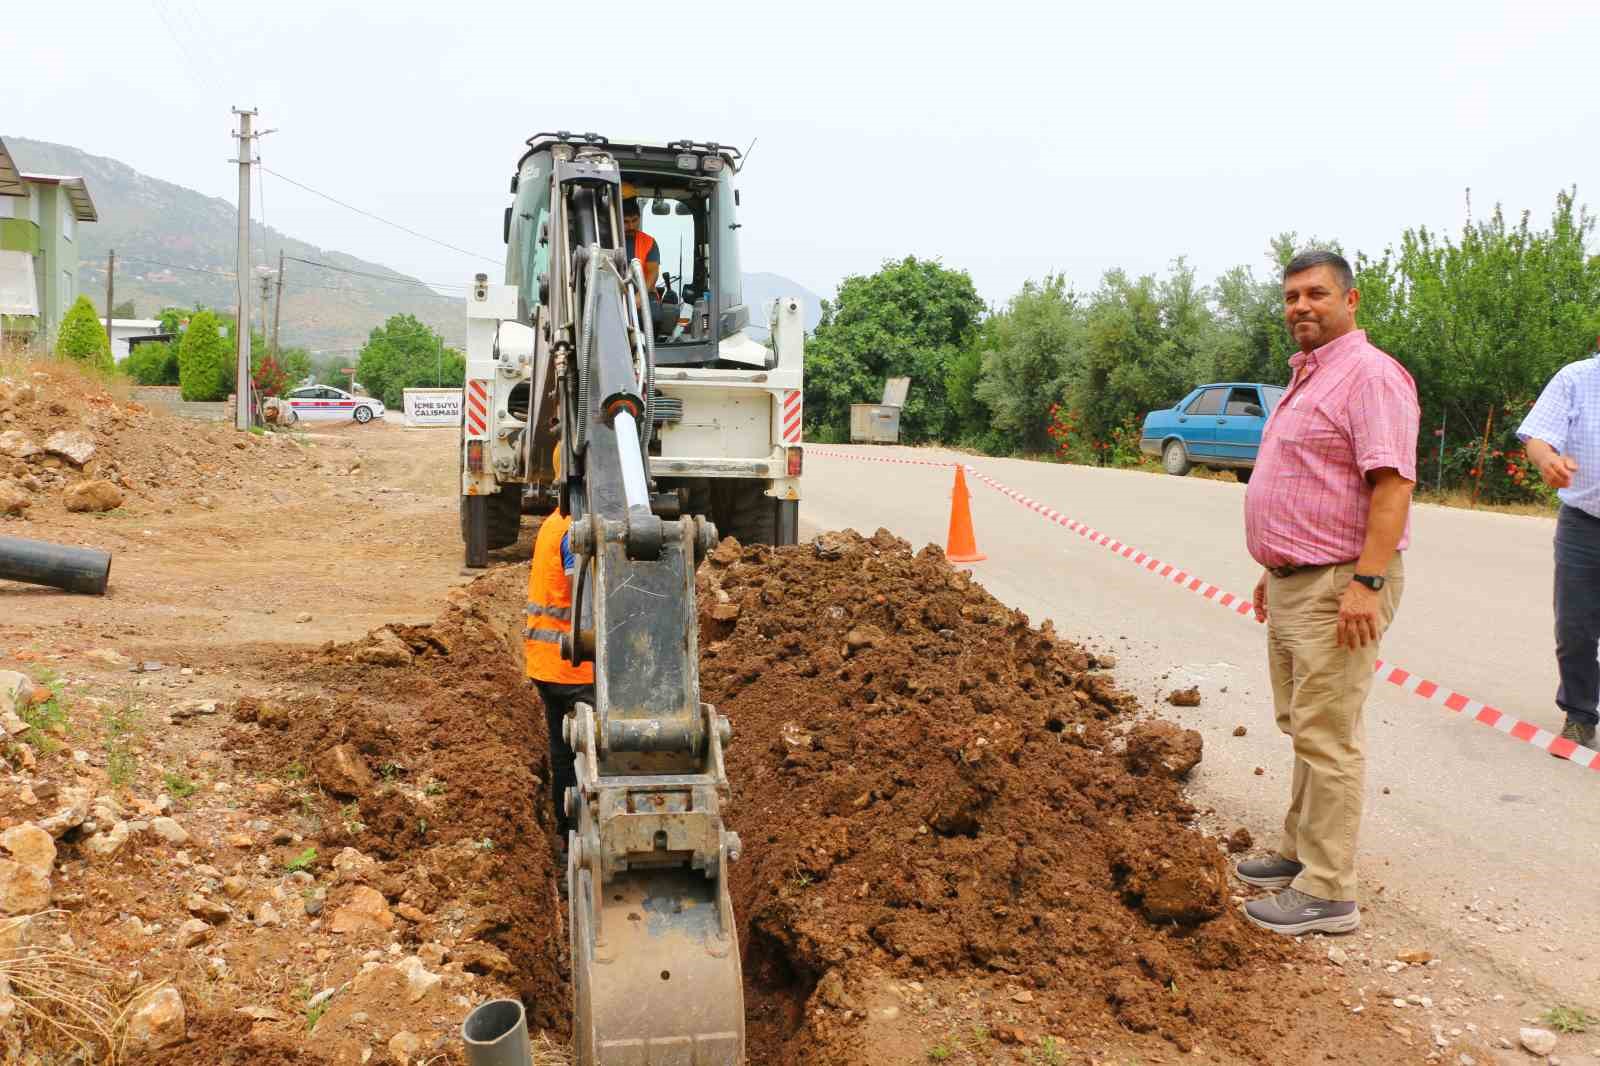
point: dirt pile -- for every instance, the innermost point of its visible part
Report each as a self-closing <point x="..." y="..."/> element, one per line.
<point x="926" y="785"/>
<point x="70" y="441"/>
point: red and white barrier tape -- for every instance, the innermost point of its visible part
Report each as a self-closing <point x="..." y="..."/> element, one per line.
<point x="1432" y="691"/>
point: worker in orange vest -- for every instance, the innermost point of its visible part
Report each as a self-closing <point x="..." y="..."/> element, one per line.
<point x="549" y="616"/>
<point x="639" y="245"/>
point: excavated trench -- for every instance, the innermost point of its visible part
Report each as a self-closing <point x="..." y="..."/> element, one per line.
<point x="927" y="788"/>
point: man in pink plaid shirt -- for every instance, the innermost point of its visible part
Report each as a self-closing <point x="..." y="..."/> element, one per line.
<point x="1327" y="514"/>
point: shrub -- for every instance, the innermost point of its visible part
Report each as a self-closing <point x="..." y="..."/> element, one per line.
<point x="203" y="360"/>
<point x="154" y="363"/>
<point x="82" y="337"/>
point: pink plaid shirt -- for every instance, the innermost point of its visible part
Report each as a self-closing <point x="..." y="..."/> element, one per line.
<point x="1350" y="410"/>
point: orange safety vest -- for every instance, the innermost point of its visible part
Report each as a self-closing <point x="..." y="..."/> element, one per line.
<point x="642" y="243"/>
<point x="550" y="608"/>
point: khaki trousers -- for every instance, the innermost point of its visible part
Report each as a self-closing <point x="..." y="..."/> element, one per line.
<point x="1318" y="691"/>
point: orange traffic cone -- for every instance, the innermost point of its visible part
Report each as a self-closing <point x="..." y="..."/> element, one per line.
<point x="960" y="547"/>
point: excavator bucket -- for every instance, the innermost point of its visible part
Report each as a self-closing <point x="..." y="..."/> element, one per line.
<point x="660" y="986"/>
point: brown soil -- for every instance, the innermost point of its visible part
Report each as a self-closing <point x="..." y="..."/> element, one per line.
<point x="959" y="843"/>
<point x="929" y="787"/>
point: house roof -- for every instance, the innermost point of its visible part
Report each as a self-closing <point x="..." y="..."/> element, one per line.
<point x="77" y="192"/>
<point x="10" y="180"/>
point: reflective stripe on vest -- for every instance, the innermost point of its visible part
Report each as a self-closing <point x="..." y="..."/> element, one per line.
<point x="544" y="636"/>
<point x="560" y="614"/>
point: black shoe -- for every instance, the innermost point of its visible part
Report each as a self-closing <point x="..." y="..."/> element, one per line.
<point x="1579" y="732"/>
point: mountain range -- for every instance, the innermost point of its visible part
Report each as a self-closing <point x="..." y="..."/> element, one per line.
<point x="177" y="247"/>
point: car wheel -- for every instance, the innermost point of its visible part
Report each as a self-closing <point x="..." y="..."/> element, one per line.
<point x="290" y="416"/>
<point x="1243" y="474"/>
<point x="363" y="414"/>
<point x="1175" y="458"/>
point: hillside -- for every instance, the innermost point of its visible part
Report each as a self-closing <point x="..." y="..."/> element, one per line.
<point x="176" y="247"/>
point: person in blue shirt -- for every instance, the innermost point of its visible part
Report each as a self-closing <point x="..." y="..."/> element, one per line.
<point x="1562" y="434"/>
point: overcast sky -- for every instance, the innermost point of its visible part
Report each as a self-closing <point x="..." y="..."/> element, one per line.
<point x="1007" y="139"/>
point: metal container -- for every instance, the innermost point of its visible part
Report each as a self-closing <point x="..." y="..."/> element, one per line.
<point x="873" y="423"/>
<point x="879" y="423"/>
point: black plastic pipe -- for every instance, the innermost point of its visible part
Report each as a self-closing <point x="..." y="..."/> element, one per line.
<point x="39" y="562"/>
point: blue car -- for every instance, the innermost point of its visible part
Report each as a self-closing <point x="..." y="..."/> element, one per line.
<point x="1216" y="426"/>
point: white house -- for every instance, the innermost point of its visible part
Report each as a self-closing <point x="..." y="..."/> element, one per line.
<point x="123" y="328"/>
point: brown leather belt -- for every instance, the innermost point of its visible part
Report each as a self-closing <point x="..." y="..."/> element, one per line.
<point x="1290" y="571"/>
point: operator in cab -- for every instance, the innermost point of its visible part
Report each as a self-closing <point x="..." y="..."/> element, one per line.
<point x="640" y="245"/>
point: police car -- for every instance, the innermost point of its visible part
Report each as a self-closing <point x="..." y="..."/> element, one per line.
<point x="324" y="403"/>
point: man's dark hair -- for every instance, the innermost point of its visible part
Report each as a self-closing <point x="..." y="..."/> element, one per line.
<point x="1316" y="257"/>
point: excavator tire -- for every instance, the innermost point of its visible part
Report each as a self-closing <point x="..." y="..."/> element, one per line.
<point x="741" y="509"/>
<point x="504" y="516"/>
<point x="475" y="531"/>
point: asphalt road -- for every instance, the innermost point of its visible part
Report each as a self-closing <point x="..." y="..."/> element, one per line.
<point x="1485" y="845"/>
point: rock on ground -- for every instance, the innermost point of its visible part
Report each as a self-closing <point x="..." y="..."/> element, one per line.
<point x="73" y="445"/>
<point x="384" y="649"/>
<point x="92" y="496"/>
<point x="23" y="889"/>
<point x="419" y="982"/>
<point x="160" y="1022"/>
<point x="1161" y="747"/>
<point x="351" y="865"/>
<point x="192" y="932"/>
<point x="13" y="501"/>
<point x="30" y="846"/>
<point x="342" y="771"/>
<point x="16" y="445"/>
<point x="205" y="909"/>
<point x="1185" y="697"/>
<point x="402" y="1046"/>
<point x="169" y="830"/>
<point x="108" y="842"/>
<point x="365" y="912"/>
<point x="1537" y="1041"/>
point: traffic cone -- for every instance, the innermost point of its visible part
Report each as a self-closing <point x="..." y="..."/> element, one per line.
<point x="960" y="547"/>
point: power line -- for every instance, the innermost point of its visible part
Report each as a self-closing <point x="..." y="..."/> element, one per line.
<point x="400" y="278"/>
<point x="380" y="218"/>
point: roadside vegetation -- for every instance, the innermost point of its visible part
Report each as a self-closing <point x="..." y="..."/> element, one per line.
<point x="1481" y="319"/>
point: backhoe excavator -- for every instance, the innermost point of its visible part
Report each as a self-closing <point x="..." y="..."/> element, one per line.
<point x="655" y="951"/>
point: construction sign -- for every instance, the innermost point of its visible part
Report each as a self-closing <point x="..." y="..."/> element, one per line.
<point x="433" y="407"/>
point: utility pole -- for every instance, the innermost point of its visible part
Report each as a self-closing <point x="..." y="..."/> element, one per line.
<point x="241" y="414"/>
<point x="266" y="299"/>
<point x="277" y="308"/>
<point x="111" y="289"/>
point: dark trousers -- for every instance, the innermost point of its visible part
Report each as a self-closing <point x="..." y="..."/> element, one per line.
<point x="1578" y="613"/>
<point x="558" y="701"/>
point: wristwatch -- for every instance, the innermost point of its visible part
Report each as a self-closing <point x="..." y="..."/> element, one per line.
<point x="1372" y="582"/>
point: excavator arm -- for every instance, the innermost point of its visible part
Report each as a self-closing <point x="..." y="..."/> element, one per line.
<point x="655" y="954"/>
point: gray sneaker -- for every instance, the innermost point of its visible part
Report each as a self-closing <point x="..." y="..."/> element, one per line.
<point x="1274" y="871"/>
<point x="1293" y="912"/>
<point x="1579" y="732"/>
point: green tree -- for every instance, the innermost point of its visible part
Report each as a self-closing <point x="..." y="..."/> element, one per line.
<point x="1028" y="351"/>
<point x="152" y="363"/>
<point x="913" y="318"/>
<point x="124" y="309"/>
<point x="405" y="353"/>
<point x="1483" y="322"/>
<point x="204" y="358"/>
<point x="1144" y="346"/>
<point x="82" y="337"/>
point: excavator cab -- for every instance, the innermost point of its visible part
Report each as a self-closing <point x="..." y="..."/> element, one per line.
<point x="690" y="207"/>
